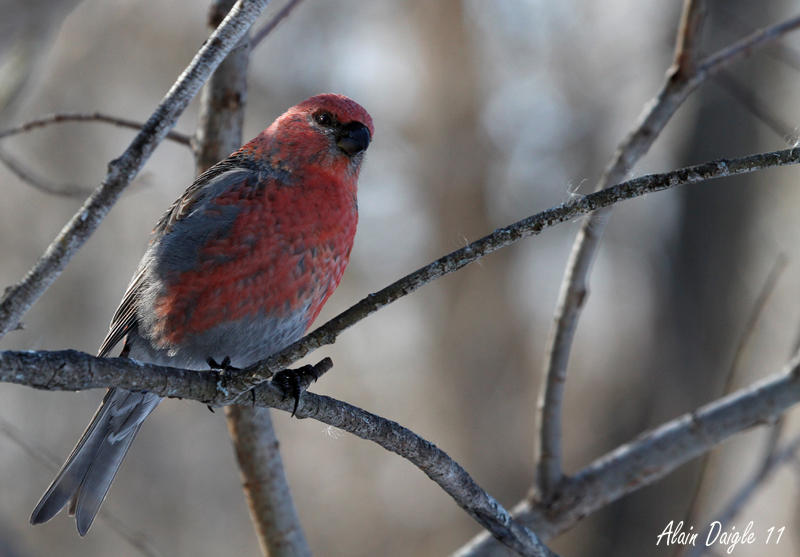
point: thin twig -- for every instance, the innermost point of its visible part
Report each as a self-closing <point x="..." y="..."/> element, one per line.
<point x="744" y="341"/>
<point x="137" y="540"/>
<point x="764" y="112"/>
<point x="651" y="456"/>
<point x="760" y="476"/>
<point x="73" y="370"/>
<point x="27" y="176"/>
<point x="500" y="238"/>
<point x="64" y="117"/>
<point x="573" y="293"/>
<point x="20" y="297"/>
<point x="260" y="34"/>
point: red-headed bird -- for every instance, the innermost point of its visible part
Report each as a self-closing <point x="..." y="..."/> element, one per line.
<point x="236" y="270"/>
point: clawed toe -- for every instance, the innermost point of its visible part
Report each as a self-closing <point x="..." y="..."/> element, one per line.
<point x="293" y="382"/>
<point x="224" y="365"/>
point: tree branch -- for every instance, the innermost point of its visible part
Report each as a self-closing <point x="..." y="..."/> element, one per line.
<point x="261" y="34"/>
<point x="641" y="462"/>
<point x="772" y="461"/>
<point x="500" y="238"/>
<point x="573" y="293"/>
<point x="64" y="117"/>
<point x="279" y="531"/>
<point x="72" y="370"/>
<point x="26" y="175"/>
<point x="19" y="298"/>
<point x="653" y="455"/>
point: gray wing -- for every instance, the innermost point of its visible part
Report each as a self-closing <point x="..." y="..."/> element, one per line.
<point x="125" y="317"/>
<point x="208" y="185"/>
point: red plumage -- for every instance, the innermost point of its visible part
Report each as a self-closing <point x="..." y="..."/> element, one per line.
<point x="238" y="268"/>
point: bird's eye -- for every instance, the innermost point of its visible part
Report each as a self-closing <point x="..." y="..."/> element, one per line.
<point x="324" y="118"/>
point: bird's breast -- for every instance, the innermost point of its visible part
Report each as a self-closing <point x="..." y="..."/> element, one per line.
<point x="257" y="280"/>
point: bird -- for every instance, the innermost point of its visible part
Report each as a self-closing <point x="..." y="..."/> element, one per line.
<point x="237" y="268"/>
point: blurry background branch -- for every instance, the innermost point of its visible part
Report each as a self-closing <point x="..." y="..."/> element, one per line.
<point x="26" y="175"/>
<point x="682" y="78"/>
<point x="66" y="117"/>
<point x="653" y="455"/>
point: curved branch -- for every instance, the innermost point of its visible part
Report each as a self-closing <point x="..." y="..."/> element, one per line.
<point x="73" y="370"/>
<point x="641" y="462"/>
<point x="26" y="175"/>
<point x="500" y="238"/>
<point x="682" y="79"/>
<point x="20" y="297"/>
<point x="64" y="117"/>
<point x="653" y="455"/>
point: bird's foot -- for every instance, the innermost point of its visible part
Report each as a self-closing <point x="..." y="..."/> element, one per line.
<point x="224" y="366"/>
<point x="294" y="382"/>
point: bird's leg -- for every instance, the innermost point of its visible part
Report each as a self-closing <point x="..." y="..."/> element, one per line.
<point x="293" y="382"/>
<point x="224" y="367"/>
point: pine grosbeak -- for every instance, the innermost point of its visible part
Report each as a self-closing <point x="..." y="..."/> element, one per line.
<point x="238" y="268"/>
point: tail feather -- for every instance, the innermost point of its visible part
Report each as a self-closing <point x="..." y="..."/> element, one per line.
<point x="91" y="466"/>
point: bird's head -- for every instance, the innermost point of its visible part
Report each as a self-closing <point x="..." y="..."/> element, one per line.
<point x="329" y="132"/>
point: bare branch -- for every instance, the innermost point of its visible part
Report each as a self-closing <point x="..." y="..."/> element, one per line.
<point x="17" y="299"/>
<point x="744" y="340"/>
<point x="73" y="370"/>
<point x="268" y="27"/>
<point x="768" y="467"/>
<point x="219" y="132"/>
<point x="653" y="455"/>
<point x="689" y="31"/>
<point x="761" y="110"/>
<point x="26" y="175"/>
<point x="500" y="238"/>
<point x="64" y="117"/>
<point x="280" y="532"/>
<point x="624" y="470"/>
<point x="573" y="292"/>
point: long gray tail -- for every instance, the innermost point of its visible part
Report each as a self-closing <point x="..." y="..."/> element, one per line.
<point x="87" y="474"/>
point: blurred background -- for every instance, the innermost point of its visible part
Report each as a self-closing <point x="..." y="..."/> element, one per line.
<point x="485" y="112"/>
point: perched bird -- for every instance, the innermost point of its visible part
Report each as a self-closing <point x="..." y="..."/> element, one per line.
<point x="237" y="269"/>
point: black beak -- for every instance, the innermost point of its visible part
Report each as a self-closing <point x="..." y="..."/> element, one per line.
<point x="353" y="138"/>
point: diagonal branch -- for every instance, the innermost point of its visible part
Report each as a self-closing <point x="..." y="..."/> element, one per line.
<point x="653" y="455"/>
<point x="73" y="370"/>
<point x="20" y="297"/>
<point x="261" y="34"/>
<point x="500" y="238"/>
<point x="771" y="463"/>
<point x="682" y="79"/>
